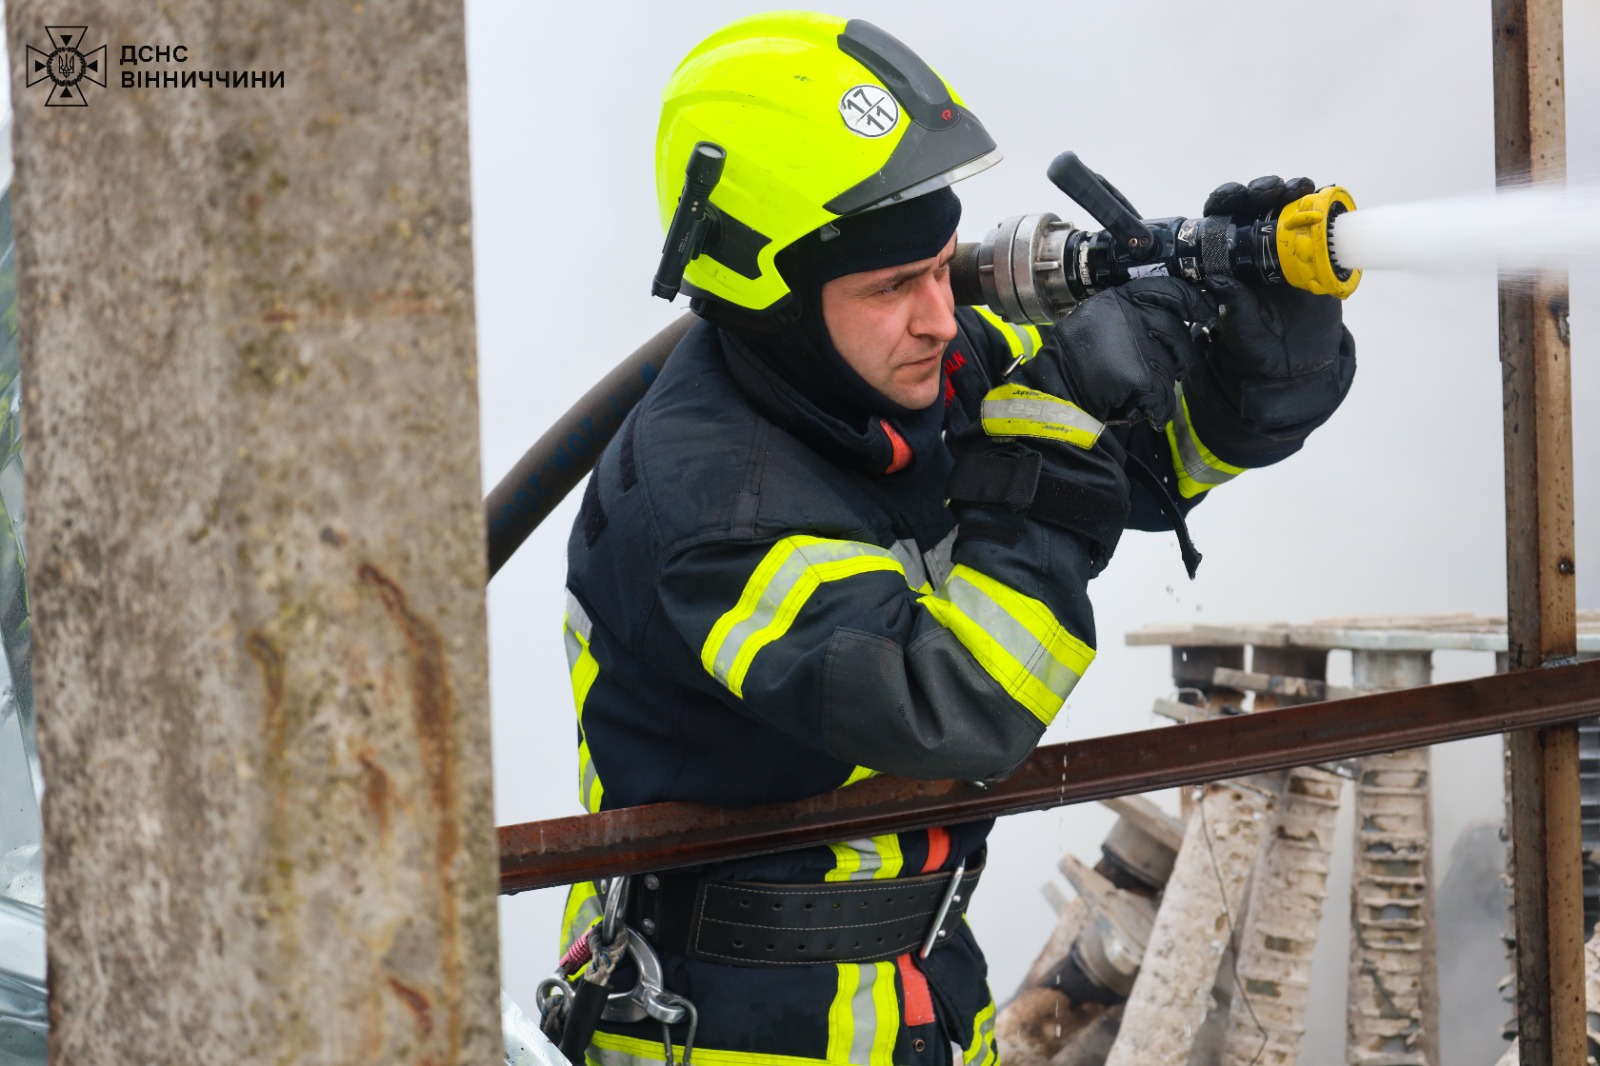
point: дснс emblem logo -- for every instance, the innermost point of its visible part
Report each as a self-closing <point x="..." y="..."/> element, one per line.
<point x="66" y="65"/>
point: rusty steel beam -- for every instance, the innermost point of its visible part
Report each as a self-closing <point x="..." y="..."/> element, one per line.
<point x="1535" y="356"/>
<point x="660" y="836"/>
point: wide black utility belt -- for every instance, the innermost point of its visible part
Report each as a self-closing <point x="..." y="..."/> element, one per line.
<point x="759" y="923"/>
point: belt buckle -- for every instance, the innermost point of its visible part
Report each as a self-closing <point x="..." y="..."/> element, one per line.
<point x="936" y="931"/>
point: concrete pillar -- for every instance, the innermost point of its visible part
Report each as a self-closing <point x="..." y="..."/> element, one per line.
<point x="1393" y="1007"/>
<point x="258" y="546"/>
<point x="1267" y="1016"/>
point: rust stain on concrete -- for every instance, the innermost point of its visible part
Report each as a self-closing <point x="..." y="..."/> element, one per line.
<point x="416" y="1003"/>
<point x="377" y="787"/>
<point x="433" y="716"/>
<point x="322" y="309"/>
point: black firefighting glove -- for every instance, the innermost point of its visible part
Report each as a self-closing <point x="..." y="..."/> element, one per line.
<point x="1279" y="359"/>
<point x="1119" y="353"/>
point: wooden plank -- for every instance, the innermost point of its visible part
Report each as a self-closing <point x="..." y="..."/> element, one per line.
<point x="1530" y="144"/>
<point x="1360" y="634"/>
<point x="1293" y="689"/>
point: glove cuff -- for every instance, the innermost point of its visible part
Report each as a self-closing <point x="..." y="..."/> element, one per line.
<point x="1255" y="422"/>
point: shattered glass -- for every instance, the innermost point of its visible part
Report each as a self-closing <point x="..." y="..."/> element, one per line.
<point x="23" y="1020"/>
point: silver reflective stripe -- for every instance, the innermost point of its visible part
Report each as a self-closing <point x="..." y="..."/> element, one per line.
<point x="864" y="1012"/>
<point x="1025" y="337"/>
<point x="578" y="618"/>
<point x="1045" y="412"/>
<point x="861" y="860"/>
<point x="1189" y="448"/>
<point x="937" y="559"/>
<point x="609" y="1057"/>
<point x="586" y="783"/>
<point x="983" y="1051"/>
<point x="777" y="589"/>
<point x="1011" y="635"/>
<point x="574" y="650"/>
<point x="906" y="552"/>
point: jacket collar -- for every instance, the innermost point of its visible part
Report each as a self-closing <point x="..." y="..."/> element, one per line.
<point x="788" y="382"/>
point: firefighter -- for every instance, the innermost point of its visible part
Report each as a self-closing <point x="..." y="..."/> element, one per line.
<point x="833" y="540"/>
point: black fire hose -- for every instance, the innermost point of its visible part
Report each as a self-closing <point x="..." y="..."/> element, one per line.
<point x="569" y="449"/>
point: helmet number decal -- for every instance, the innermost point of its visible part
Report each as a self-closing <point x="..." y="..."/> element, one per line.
<point x="869" y="111"/>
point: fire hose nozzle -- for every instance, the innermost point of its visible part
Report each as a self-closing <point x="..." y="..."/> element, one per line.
<point x="1305" y="243"/>
<point x="1034" y="269"/>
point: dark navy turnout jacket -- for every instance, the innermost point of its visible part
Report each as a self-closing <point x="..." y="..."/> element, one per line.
<point x="757" y="612"/>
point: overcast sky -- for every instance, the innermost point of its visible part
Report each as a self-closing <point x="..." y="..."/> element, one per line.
<point x="1395" y="507"/>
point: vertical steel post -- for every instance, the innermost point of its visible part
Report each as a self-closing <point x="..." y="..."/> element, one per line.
<point x="257" y="537"/>
<point x="1530" y="144"/>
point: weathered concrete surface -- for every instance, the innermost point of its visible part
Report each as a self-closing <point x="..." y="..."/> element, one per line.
<point x="1200" y="912"/>
<point x="1392" y="1010"/>
<point x="1040" y="1023"/>
<point x="1272" y="980"/>
<point x="1287" y="893"/>
<point x="258" y="573"/>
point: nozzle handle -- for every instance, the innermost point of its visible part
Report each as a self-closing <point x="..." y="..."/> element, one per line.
<point x="692" y="222"/>
<point x="1080" y="183"/>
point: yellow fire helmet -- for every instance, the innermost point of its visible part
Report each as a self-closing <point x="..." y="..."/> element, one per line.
<point x="820" y="117"/>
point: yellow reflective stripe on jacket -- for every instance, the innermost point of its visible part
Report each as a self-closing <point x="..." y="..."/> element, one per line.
<point x="1198" y="469"/>
<point x="1015" y="638"/>
<point x="1014" y="411"/>
<point x="791" y="571"/>
<point x="860" y="773"/>
<point x="582" y="910"/>
<point x="864" y="1020"/>
<point x="611" y="1049"/>
<point x="576" y="630"/>
<point x="868" y="859"/>
<point x="1024" y="341"/>
<point x="982" y="1050"/>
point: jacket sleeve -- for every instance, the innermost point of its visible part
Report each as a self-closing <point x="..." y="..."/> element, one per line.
<point x="848" y="647"/>
<point x="997" y="343"/>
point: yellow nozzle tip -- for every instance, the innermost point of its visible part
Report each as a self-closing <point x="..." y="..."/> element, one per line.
<point x="1304" y="255"/>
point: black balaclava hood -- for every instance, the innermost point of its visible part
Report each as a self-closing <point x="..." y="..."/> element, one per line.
<point x="800" y="351"/>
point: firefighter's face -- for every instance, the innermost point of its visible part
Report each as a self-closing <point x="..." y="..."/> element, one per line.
<point x="892" y="325"/>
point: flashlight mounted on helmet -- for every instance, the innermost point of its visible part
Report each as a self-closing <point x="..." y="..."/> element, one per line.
<point x="1036" y="268"/>
<point x="694" y="223"/>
